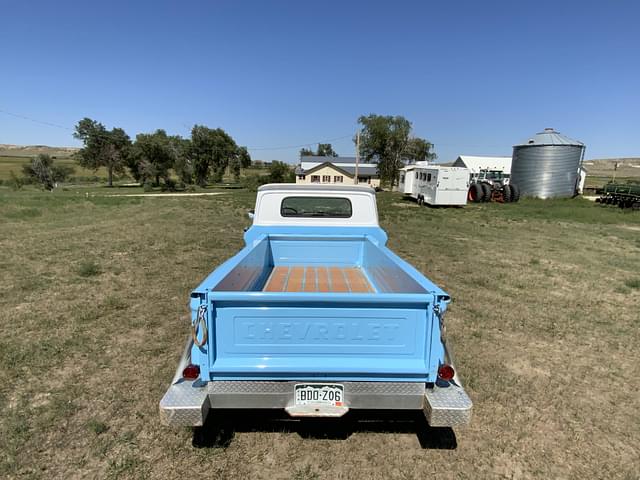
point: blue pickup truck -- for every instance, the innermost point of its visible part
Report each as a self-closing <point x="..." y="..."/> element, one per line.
<point x="316" y="316"/>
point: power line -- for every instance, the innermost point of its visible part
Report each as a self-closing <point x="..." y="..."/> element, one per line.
<point x="287" y="147"/>
<point x="24" y="117"/>
<point x="302" y="144"/>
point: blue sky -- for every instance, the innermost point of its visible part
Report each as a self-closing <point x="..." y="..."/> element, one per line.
<point x="473" y="77"/>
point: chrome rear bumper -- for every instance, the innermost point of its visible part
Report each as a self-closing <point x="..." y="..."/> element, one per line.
<point x="187" y="403"/>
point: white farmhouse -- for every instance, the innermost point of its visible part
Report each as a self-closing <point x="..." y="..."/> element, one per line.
<point x="337" y="170"/>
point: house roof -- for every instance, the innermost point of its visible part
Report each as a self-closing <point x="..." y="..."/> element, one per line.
<point x="335" y="160"/>
<point x="364" y="170"/>
<point x="476" y="163"/>
<point x="323" y="165"/>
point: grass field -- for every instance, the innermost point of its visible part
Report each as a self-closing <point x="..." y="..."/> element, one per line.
<point x="603" y="171"/>
<point x="93" y="317"/>
<point x="14" y="164"/>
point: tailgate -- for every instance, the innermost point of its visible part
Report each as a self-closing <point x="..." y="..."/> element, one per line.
<point x="333" y="340"/>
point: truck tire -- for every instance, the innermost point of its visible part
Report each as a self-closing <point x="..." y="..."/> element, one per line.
<point x="507" y="194"/>
<point x="487" y="192"/>
<point x="476" y="193"/>
<point x="515" y="192"/>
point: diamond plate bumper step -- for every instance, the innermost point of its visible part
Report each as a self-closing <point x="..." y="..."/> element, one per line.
<point x="186" y="404"/>
<point x="447" y="406"/>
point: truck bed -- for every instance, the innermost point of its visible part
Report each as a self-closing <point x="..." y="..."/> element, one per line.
<point x="311" y="278"/>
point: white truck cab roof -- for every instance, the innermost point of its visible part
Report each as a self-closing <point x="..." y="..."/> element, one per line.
<point x="316" y="205"/>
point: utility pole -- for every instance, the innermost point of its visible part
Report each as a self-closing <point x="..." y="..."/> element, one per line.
<point x="355" y="178"/>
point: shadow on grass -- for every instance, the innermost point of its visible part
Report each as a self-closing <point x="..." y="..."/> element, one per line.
<point x="222" y="425"/>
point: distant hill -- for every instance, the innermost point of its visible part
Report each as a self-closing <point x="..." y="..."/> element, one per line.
<point x="605" y="168"/>
<point x="7" y="150"/>
<point x="609" y="164"/>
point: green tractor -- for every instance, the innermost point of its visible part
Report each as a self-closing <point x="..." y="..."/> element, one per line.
<point x="492" y="186"/>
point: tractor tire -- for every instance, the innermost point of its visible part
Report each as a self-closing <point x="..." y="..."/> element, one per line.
<point x="635" y="205"/>
<point x="476" y="193"/>
<point x="487" y="192"/>
<point x="515" y="192"/>
<point x="507" y="193"/>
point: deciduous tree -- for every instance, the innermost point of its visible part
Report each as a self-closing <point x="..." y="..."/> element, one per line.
<point x="102" y="147"/>
<point x="306" y="152"/>
<point x="387" y="139"/>
<point x="241" y="159"/>
<point x="326" y="150"/>
<point x="40" y="170"/>
<point x="152" y="156"/>
<point x="280" y="172"/>
<point x="419" y="150"/>
<point x="211" y="152"/>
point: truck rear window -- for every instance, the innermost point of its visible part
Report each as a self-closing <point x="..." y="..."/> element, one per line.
<point x="327" y="207"/>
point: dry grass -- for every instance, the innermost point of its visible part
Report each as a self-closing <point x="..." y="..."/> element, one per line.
<point x="604" y="171"/>
<point x="93" y="317"/>
<point x="14" y="164"/>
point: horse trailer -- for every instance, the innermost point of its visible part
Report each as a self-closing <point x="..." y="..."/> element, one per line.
<point x="435" y="184"/>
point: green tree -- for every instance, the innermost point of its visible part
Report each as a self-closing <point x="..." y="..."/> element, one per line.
<point x="387" y="138"/>
<point x="152" y="156"/>
<point x="326" y="150"/>
<point x="40" y="170"/>
<point x="419" y="150"/>
<point x="183" y="165"/>
<point x="61" y="173"/>
<point x="306" y="152"/>
<point x="241" y="159"/>
<point x="280" y="172"/>
<point x="245" y="158"/>
<point x="211" y="151"/>
<point x="102" y="147"/>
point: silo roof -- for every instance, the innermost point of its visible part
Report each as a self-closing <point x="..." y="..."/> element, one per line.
<point x="549" y="137"/>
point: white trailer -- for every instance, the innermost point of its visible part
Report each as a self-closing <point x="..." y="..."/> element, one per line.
<point x="435" y="184"/>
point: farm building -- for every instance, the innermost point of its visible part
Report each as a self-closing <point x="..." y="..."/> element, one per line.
<point x="319" y="169"/>
<point x="549" y="164"/>
<point x="477" y="164"/>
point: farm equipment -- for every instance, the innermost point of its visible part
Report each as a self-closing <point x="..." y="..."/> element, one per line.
<point x="492" y="186"/>
<point x="622" y="195"/>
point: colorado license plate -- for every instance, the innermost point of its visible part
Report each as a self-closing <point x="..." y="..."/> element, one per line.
<point x="319" y="394"/>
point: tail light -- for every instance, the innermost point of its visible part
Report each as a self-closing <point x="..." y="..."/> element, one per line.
<point x="446" y="372"/>
<point x="191" y="372"/>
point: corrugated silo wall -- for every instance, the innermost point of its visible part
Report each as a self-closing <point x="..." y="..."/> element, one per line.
<point x="546" y="171"/>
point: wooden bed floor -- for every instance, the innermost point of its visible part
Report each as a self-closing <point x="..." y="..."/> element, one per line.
<point x="300" y="278"/>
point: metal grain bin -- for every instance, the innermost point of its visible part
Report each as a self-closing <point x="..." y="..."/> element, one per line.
<point x="547" y="164"/>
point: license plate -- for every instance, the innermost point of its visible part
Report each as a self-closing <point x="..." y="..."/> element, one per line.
<point x="319" y="394"/>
